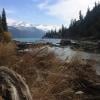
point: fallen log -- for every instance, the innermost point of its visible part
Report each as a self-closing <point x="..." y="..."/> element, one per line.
<point x="12" y="86"/>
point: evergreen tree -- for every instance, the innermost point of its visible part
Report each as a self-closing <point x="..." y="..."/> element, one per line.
<point x="1" y="29"/>
<point x="4" y="22"/>
<point x="95" y="4"/>
<point x="80" y="15"/>
<point x="86" y="27"/>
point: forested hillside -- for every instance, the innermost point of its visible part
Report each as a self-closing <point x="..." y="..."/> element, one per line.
<point x="87" y="27"/>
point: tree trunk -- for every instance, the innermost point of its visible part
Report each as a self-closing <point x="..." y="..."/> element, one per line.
<point x="12" y="86"/>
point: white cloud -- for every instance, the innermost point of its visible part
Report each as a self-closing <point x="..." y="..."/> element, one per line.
<point x="43" y="5"/>
<point x="11" y="21"/>
<point x="67" y="9"/>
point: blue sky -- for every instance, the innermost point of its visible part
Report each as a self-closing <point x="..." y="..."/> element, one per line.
<point x="44" y="11"/>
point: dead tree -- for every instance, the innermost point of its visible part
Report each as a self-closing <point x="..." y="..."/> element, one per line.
<point x="12" y="86"/>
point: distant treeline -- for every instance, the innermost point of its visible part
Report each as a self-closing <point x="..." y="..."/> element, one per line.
<point x="4" y="34"/>
<point x="55" y="33"/>
<point x="87" y="27"/>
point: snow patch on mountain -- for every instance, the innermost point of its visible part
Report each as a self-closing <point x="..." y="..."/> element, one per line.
<point x="45" y="28"/>
<point x="48" y="27"/>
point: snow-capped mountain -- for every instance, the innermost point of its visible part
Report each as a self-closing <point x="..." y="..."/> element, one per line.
<point x="20" y="24"/>
<point x="38" y="26"/>
<point x="48" y="27"/>
<point x="27" y="30"/>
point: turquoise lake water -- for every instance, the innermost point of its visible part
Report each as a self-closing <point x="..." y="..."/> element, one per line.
<point x="36" y="40"/>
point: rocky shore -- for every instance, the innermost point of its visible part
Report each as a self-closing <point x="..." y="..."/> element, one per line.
<point x="51" y="78"/>
<point x="88" y="46"/>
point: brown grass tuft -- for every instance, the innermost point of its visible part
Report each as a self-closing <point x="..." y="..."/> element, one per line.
<point x="7" y="54"/>
<point x="48" y="77"/>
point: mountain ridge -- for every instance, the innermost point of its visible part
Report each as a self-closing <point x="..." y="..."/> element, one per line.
<point x="44" y="27"/>
<point x="27" y="30"/>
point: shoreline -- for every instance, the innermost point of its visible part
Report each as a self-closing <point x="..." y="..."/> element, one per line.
<point x="86" y="46"/>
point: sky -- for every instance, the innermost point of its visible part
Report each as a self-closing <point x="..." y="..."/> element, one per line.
<point x="45" y="11"/>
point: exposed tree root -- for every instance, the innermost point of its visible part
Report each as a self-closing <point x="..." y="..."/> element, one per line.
<point x="12" y="86"/>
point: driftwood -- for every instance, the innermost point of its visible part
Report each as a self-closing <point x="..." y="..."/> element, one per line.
<point x="12" y="86"/>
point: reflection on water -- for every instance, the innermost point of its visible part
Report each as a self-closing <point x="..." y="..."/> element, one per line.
<point x="64" y="53"/>
<point x="67" y="52"/>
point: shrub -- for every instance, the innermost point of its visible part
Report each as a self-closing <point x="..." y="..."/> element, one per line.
<point x="50" y="78"/>
<point x="7" y="54"/>
<point x="6" y="37"/>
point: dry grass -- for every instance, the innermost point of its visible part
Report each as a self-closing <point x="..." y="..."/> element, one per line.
<point x="7" y="54"/>
<point x="48" y="77"/>
<point x="1" y="98"/>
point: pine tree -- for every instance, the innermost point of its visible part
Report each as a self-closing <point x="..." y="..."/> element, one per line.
<point x="4" y="22"/>
<point x="1" y="29"/>
<point x="88" y="12"/>
<point x="80" y="16"/>
<point x="96" y="4"/>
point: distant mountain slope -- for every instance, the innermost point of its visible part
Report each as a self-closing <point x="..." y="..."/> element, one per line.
<point x="26" y="30"/>
<point x="48" y="27"/>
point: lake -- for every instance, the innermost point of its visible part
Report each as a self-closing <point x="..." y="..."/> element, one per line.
<point x="65" y="52"/>
<point x="36" y="40"/>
